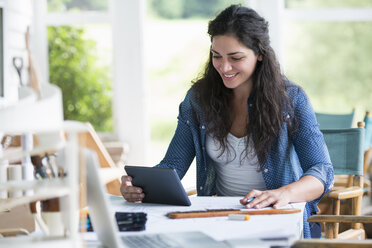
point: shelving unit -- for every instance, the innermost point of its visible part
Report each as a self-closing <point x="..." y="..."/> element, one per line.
<point x="44" y="119"/>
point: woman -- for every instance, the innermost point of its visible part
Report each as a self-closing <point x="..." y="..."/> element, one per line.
<point x="253" y="132"/>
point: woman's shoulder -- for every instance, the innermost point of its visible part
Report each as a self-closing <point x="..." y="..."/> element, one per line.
<point x="192" y="100"/>
<point x="192" y="96"/>
<point x="294" y="91"/>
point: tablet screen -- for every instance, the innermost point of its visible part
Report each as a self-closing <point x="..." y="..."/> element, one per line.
<point x="160" y="185"/>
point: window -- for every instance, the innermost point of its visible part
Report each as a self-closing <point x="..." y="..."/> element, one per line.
<point x="80" y="64"/>
<point x="80" y="59"/>
<point x="327" y="52"/>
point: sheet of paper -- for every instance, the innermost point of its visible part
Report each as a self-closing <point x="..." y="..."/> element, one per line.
<point x="198" y="203"/>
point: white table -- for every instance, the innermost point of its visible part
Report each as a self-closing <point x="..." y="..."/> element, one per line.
<point x="220" y="228"/>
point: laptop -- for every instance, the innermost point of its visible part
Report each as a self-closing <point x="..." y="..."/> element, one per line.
<point x="105" y="226"/>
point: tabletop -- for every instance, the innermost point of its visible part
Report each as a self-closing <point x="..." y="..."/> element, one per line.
<point x="220" y="228"/>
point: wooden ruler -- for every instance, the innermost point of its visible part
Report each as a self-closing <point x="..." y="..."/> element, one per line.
<point x="226" y="212"/>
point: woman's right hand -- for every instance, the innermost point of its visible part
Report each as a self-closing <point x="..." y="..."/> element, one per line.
<point x="130" y="192"/>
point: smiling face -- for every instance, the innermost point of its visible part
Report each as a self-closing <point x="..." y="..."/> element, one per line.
<point x="233" y="60"/>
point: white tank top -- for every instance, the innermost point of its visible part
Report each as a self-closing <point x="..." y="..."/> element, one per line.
<point x="236" y="173"/>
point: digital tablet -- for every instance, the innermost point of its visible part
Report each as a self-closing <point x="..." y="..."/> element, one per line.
<point x="160" y="185"/>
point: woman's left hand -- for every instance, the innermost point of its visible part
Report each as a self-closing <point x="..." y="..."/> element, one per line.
<point x="276" y="197"/>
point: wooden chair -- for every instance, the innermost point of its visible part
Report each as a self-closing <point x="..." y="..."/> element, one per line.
<point x="347" y="181"/>
<point x="331" y="121"/>
<point x="336" y="121"/>
<point x="332" y="243"/>
<point x="109" y="171"/>
<point x="340" y="242"/>
<point x="336" y="243"/>
<point x="345" y="148"/>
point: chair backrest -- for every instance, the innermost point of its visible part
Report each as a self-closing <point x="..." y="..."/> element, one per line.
<point x="330" y="121"/>
<point x="345" y="147"/>
<point x="368" y="131"/>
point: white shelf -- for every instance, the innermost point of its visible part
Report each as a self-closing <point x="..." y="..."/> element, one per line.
<point x="16" y="154"/>
<point x="43" y="190"/>
<point x="50" y="141"/>
<point x="34" y="185"/>
<point x="44" y="119"/>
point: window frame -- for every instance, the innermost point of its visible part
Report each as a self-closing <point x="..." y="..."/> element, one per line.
<point x="126" y="20"/>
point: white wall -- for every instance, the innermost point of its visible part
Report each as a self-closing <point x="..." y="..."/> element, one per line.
<point x="17" y="17"/>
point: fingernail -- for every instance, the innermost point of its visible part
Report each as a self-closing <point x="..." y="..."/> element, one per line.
<point x="248" y="206"/>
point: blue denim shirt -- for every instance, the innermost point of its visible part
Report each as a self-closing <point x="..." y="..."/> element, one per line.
<point x="291" y="158"/>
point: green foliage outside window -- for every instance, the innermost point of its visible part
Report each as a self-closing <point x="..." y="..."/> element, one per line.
<point x="86" y="87"/>
<point x="332" y="62"/>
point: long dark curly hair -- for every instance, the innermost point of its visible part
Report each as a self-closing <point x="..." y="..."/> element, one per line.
<point x="269" y="84"/>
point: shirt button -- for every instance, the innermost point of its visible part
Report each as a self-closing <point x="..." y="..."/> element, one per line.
<point x="188" y="122"/>
<point x="288" y="116"/>
<point x="250" y="105"/>
<point x="203" y="127"/>
<point x="201" y="188"/>
<point x="266" y="170"/>
<point x="203" y="148"/>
